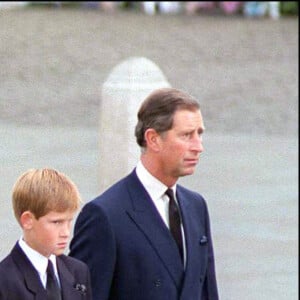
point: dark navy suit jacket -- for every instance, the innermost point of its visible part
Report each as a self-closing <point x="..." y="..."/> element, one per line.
<point x="131" y="253"/>
<point x="19" y="280"/>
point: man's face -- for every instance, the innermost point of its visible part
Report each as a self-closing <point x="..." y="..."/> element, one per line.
<point x="182" y="144"/>
<point x="49" y="234"/>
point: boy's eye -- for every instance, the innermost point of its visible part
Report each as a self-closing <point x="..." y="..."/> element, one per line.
<point x="57" y="222"/>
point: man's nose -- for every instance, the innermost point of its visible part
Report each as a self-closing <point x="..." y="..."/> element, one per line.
<point x="197" y="143"/>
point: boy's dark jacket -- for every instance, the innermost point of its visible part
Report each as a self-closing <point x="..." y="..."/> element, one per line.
<point x="20" y="281"/>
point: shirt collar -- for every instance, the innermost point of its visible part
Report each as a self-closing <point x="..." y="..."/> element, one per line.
<point x="153" y="186"/>
<point x="39" y="261"/>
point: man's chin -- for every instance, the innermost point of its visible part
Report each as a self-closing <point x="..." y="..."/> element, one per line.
<point x="189" y="171"/>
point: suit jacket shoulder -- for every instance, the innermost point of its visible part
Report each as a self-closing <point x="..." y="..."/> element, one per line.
<point x="192" y="200"/>
<point x="18" y="278"/>
<point x="119" y="196"/>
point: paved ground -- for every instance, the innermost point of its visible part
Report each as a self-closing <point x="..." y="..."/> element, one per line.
<point x="245" y="74"/>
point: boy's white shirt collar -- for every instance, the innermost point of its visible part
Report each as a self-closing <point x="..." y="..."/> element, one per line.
<point x="39" y="261"/>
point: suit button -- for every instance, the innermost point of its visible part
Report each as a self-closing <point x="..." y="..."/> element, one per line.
<point x="201" y="278"/>
<point x="157" y="282"/>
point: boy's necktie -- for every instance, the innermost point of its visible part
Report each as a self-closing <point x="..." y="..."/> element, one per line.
<point x="175" y="221"/>
<point x="52" y="287"/>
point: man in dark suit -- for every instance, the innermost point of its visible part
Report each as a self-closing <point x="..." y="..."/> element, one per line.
<point x="147" y="237"/>
<point x="45" y="202"/>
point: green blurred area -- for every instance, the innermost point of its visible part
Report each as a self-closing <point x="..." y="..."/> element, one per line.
<point x="289" y="8"/>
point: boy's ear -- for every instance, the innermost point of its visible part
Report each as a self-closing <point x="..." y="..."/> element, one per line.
<point x="26" y="219"/>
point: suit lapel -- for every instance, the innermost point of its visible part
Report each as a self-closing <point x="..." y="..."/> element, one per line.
<point x="148" y="220"/>
<point x="31" y="276"/>
<point x="67" y="281"/>
<point x="193" y="226"/>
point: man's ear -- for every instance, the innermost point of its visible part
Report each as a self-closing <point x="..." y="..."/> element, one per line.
<point x="152" y="139"/>
<point x="26" y="220"/>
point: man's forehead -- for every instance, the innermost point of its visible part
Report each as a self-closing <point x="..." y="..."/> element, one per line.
<point x="188" y="116"/>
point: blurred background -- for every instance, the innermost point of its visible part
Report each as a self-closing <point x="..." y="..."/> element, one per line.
<point x="240" y="59"/>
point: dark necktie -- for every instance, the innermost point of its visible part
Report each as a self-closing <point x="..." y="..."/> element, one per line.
<point x="175" y="221"/>
<point x="53" y="290"/>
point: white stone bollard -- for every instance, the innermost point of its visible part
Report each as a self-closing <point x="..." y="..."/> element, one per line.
<point x="128" y="84"/>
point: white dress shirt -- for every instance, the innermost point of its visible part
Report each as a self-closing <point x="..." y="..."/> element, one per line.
<point x="39" y="261"/>
<point x="156" y="191"/>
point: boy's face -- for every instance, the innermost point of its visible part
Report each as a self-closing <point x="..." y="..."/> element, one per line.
<point x="49" y="234"/>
